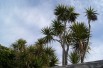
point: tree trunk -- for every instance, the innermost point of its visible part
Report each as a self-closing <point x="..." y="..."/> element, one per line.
<point x="64" y="49"/>
<point x="66" y="55"/>
<point x="63" y="57"/>
<point x="82" y="60"/>
<point x="81" y="50"/>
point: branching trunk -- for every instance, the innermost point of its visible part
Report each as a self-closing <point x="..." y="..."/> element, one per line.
<point x="64" y="46"/>
<point x="63" y="50"/>
<point x="86" y="46"/>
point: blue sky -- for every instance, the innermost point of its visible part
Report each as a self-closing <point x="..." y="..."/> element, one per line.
<point x="25" y="18"/>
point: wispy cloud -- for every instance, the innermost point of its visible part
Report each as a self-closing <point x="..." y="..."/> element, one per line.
<point x="24" y="22"/>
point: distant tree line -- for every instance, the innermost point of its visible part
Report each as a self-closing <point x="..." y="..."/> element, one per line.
<point x="19" y="55"/>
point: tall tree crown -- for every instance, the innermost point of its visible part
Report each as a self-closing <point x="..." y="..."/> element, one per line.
<point x="91" y="14"/>
<point x="65" y="13"/>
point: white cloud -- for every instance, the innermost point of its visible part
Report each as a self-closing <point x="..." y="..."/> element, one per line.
<point x="19" y="22"/>
<point x="39" y="16"/>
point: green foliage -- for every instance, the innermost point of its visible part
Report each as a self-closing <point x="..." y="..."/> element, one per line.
<point x="57" y="27"/>
<point x="48" y="34"/>
<point x="6" y="57"/>
<point x="91" y="14"/>
<point x="79" y="31"/>
<point x="65" y="13"/>
<point x="72" y="15"/>
<point x="23" y="56"/>
<point x="61" y="12"/>
<point x="19" y="45"/>
<point x="74" y="57"/>
<point x="47" y="55"/>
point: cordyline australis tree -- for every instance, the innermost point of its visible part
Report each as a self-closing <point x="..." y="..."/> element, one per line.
<point x="91" y="16"/>
<point x="80" y="34"/>
<point x="59" y="30"/>
<point x="67" y="32"/>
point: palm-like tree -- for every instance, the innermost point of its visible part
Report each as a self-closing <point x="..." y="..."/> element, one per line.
<point x="91" y="16"/>
<point x="59" y="30"/>
<point x="80" y="34"/>
<point x="48" y="35"/>
<point x="19" y="48"/>
<point x="19" y="45"/>
<point x="66" y="15"/>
